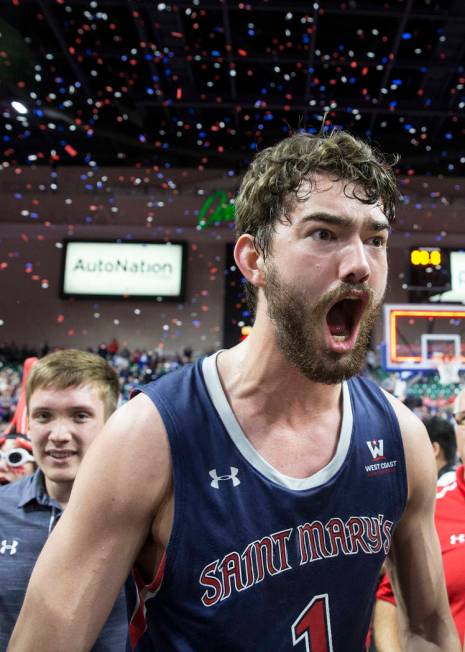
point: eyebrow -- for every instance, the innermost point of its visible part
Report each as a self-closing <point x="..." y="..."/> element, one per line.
<point x="338" y="220"/>
<point x="74" y="408"/>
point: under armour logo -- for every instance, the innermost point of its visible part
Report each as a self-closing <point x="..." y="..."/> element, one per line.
<point x="457" y="538"/>
<point x="8" y="546"/>
<point x="376" y="447"/>
<point x="216" y="478"/>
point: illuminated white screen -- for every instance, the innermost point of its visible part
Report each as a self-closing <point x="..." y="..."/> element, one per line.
<point x="457" y="278"/>
<point x="123" y="269"/>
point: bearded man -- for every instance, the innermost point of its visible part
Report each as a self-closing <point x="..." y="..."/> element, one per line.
<point x="260" y="490"/>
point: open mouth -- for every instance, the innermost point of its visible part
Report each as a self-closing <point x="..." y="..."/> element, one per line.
<point x="343" y="320"/>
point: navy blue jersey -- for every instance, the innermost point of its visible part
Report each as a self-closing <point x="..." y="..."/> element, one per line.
<point x="257" y="560"/>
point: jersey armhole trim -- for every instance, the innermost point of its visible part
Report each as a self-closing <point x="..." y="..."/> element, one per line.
<point x="137" y="623"/>
<point x="179" y="491"/>
<point x="395" y="425"/>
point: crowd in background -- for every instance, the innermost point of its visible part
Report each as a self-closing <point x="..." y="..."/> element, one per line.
<point x="425" y="393"/>
<point x="134" y="367"/>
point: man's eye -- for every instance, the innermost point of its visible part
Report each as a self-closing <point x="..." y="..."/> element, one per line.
<point x="81" y="416"/>
<point x="377" y="241"/>
<point x="322" y="234"/>
<point x="41" y="416"/>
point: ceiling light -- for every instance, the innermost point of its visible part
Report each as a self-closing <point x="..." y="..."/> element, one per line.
<point x="19" y="108"/>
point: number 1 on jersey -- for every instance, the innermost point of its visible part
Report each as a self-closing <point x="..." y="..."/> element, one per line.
<point x="313" y="626"/>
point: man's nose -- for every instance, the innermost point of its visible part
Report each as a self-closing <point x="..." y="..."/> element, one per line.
<point x="60" y="431"/>
<point x="354" y="266"/>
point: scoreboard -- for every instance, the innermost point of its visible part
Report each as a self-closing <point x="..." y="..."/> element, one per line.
<point x="428" y="274"/>
<point x="426" y="257"/>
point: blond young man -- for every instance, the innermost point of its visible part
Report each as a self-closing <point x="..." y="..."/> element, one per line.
<point x="70" y="394"/>
<point x="261" y="488"/>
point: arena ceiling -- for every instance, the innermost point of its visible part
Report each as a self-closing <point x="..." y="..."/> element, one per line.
<point x="204" y="83"/>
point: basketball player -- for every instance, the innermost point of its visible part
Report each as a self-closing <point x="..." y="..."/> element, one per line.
<point x="69" y="395"/>
<point x="258" y="491"/>
<point x="450" y="524"/>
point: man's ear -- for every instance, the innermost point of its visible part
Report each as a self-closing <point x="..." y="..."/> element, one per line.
<point x="436" y="448"/>
<point x="249" y="260"/>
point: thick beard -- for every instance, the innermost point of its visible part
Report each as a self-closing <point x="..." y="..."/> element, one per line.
<point x="299" y="324"/>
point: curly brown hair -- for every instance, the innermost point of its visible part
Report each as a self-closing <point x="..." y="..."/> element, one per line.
<point x="273" y="182"/>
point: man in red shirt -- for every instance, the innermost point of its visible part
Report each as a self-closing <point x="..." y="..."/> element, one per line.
<point x="450" y="524"/>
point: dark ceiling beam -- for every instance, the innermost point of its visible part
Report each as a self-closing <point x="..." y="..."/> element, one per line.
<point x="329" y="8"/>
<point x="170" y="23"/>
<point x="436" y="85"/>
<point x="165" y="25"/>
<point x="187" y="62"/>
<point x="392" y="56"/>
<point x="293" y="59"/>
<point x="230" y="59"/>
<point x="58" y="33"/>
<point x="310" y="65"/>
<point x="75" y="68"/>
<point x="229" y="49"/>
<point x="143" y="36"/>
<point x="250" y="104"/>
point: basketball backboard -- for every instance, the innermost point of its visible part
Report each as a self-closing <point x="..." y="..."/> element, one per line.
<point x="417" y="334"/>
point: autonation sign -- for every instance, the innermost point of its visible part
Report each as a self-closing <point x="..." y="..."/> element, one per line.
<point x="121" y="269"/>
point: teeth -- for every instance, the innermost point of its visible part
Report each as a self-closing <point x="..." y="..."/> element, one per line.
<point x="340" y="338"/>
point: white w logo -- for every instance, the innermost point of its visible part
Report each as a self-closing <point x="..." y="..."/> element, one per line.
<point x="376" y="447"/>
<point x="216" y="478"/>
<point x="9" y="546"/>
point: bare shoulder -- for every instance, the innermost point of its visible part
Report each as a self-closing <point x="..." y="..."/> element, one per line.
<point x="137" y="423"/>
<point x="419" y="457"/>
<point x="129" y="463"/>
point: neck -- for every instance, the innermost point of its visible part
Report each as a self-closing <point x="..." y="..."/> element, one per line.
<point x="59" y="491"/>
<point x="257" y="367"/>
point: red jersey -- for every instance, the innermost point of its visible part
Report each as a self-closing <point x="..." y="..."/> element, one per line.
<point x="450" y="525"/>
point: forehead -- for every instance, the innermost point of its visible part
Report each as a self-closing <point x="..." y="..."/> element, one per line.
<point x="324" y="195"/>
<point x="64" y="399"/>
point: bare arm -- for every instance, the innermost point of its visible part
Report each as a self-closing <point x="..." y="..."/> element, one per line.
<point x="120" y="486"/>
<point x="415" y="563"/>
<point x="386" y="627"/>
